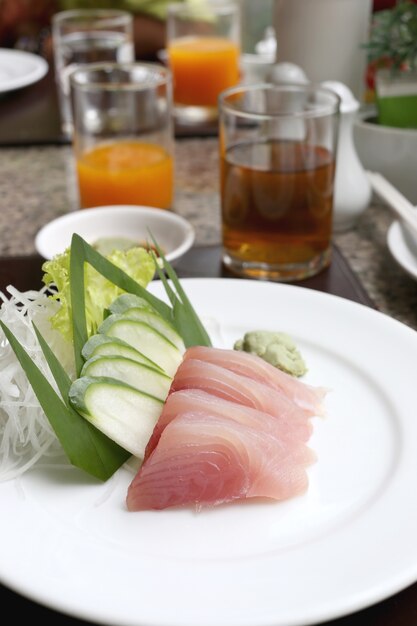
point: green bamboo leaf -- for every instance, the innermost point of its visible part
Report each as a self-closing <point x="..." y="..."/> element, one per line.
<point x="185" y="317"/>
<point x="61" y="377"/>
<point x="163" y="278"/>
<point x="181" y="314"/>
<point x="81" y="253"/>
<point x="85" y="446"/>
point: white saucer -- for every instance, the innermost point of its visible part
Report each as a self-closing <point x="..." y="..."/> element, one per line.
<point x="19" y="69"/>
<point x="403" y="246"/>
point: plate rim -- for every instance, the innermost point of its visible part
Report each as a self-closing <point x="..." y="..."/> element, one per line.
<point x="37" y="73"/>
<point x="395" y="238"/>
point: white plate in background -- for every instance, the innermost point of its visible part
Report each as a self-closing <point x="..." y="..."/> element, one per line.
<point x="173" y="233"/>
<point x="19" y="69"/>
<point x="349" y="542"/>
<point x="403" y="247"/>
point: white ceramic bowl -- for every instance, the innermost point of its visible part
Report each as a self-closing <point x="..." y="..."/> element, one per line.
<point x="174" y="234"/>
<point x="390" y="151"/>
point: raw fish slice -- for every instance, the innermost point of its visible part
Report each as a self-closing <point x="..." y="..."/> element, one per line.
<point x="217" y="380"/>
<point x="210" y="462"/>
<point x="305" y="396"/>
<point x="209" y="405"/>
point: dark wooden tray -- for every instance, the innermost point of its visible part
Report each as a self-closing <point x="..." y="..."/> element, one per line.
<point x="205" y="261"/>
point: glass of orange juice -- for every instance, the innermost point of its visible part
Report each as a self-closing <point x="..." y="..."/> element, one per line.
<point x="203" y="49"/>
<point x="123" y="136"/>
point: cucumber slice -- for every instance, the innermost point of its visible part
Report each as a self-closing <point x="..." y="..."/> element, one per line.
<point x="129" y="301"/>
<point x="147" y="379"/>
<point x="130" y="305"/>
<point x="126" y="415"/>
<point x="102" y="345"/>
<point x="158" y="323"/>
<point x="144" y="338"/>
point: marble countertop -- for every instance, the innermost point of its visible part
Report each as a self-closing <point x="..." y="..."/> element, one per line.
<point x="39" y="184"/>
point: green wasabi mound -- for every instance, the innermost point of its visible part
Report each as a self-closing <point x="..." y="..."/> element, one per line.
<point x="276" y="348"/>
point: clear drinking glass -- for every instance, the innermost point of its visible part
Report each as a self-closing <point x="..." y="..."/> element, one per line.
<point x="123" y="134"/>
<point x="87" y="36"/>
<point x="277" y="154"/>
<point x="259" y="42"/>
<point x="203" y="48"/>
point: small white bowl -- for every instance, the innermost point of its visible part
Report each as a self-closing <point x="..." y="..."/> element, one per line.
<point x="174" y="234"/>
<point x="390" y="151"/>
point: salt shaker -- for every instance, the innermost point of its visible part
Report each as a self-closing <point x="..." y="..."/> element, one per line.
<point x="286" y="72"/>
<point x="352" y="191"/>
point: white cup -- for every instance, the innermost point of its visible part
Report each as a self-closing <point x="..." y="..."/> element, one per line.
<point x="325" y="38"/>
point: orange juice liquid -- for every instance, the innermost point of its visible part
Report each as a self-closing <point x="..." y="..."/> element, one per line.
<point x="202" y="67"/>
<point x="126" y="172"/>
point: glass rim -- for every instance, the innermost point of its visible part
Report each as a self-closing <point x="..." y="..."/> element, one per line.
<point x="74" y="16"/>
<point x="329" y="108"/>
<point x="160" y="76"/>
<point x="181" y="8"/>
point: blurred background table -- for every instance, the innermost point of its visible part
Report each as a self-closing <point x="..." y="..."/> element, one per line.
<point x="37" y="184"/>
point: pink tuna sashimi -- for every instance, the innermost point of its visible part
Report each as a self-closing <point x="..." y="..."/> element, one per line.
<point x="208" y="405"/>
<point x="305" y="396"/>
<point x="217" y="380"/>
<point x="208" y="462"/>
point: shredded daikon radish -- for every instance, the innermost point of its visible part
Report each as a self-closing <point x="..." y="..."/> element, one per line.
<point x="25" y="432"/>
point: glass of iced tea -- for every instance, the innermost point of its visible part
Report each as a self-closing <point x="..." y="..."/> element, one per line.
<point x="203" y="49"/>
<point x="123" y="136"/>
<point x="277" y="168"/>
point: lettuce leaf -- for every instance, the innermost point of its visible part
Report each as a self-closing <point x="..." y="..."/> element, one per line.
<point x="138" y="263"/>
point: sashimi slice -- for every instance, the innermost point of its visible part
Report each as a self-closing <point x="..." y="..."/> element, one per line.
<point x="305" y="396"/>
<point x="208" y="462"/>
<point x="209" y="405"/>
<point x="217" y="380"/>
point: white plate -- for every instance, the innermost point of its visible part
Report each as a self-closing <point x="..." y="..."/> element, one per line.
<point x="19" y="69"/>
<point x="350" y="541"/>
<point x="173" y="233"/>
<point x="403" y="247"/>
